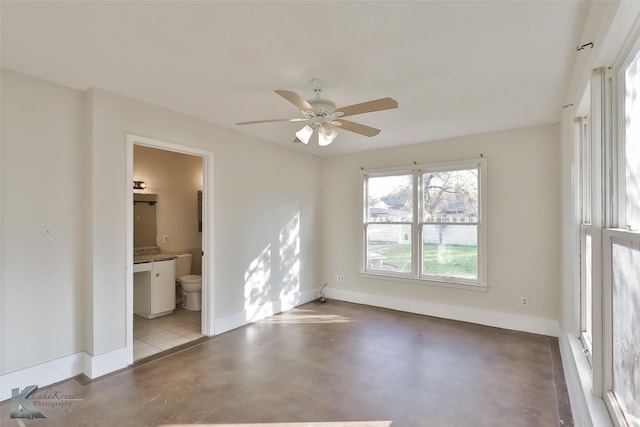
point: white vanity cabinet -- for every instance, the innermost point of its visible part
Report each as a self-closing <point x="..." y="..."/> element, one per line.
<point x="154" y="286"/>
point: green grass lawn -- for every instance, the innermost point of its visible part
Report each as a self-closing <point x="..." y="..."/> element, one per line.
<point x="453" y="260"/>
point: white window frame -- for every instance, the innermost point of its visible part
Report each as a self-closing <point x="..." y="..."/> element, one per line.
<point x="621" y="218"/>
<point x="416" y="275"/>
<point x="615" y="214"/>
<point x="585" y="179"/>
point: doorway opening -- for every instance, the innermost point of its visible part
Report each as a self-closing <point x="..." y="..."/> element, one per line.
<point x="169" y="246"/>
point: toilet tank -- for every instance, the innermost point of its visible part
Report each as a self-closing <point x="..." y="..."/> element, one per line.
<point x="183" y="265"/>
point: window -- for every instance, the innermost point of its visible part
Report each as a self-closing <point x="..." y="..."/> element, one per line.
<point x="622" y="258"/>
<point x="425" y="223"/>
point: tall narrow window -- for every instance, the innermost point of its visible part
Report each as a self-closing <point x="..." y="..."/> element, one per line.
<point x="425" y="223"/>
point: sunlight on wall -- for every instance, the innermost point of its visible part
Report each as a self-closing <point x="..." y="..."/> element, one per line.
<point x="272" y="280"/>
<point x="290" y="262"/>
<point x="257" y="283"/>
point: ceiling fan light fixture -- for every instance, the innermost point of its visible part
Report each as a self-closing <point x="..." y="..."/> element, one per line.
<point x="326" y="134"/>
<point x="304" y="134"/>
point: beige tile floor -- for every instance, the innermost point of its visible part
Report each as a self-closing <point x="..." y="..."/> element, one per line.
<point x="151" y="336"/>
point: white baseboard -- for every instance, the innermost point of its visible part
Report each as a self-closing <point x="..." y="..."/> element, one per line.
<point x="61" y="369"/>
<point x="496" y="319"/>
<point x="105" y="363"/>
<point x="261" y="311"/>
<point x="43" y="374"/>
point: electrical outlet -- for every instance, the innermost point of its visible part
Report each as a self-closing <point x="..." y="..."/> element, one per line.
<point x="342" y="278"/>
<point x="337" y="278"/>
<point x="524" y="301"/>
<point x="165" y="238"/>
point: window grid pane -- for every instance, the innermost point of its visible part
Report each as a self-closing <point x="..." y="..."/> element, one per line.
<point x="389" y="248"/>
<point x="587" y="286"/>
<point x="450" y="196"/>
<point x="390" y="198"/>
<point x="450" y="250"/>
<point x="625" y="258"/>
<point x="632" y="144"/>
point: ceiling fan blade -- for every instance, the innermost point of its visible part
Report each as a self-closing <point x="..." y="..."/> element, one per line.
<point x="295" y="99"/>
<point x="367" y="107"/>
<point x="272" y="120"/>
<point x="358" y="128"/>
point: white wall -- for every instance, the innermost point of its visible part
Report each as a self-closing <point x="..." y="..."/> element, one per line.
<point x="43" y="221"/>
<point x="523" y="194"/>
<point x="64" y="217"/>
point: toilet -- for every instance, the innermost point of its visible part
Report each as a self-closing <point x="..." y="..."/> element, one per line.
<point x="191" y="284"/>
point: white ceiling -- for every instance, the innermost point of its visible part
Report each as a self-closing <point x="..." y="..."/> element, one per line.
<point x="455" y="67"/>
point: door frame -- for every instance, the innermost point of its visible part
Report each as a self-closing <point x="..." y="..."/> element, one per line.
<point x="208" y="283"/>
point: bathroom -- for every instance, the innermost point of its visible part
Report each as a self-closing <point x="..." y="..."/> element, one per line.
<point x="172" y="199"/>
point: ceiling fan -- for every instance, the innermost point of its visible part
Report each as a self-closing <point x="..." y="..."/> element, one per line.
<point x="322" y="118"/>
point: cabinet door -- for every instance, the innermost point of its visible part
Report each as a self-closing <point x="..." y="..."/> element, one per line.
<point x="164" y="287"/>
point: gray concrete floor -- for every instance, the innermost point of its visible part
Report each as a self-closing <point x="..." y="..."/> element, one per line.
<point x="332" y="364"/>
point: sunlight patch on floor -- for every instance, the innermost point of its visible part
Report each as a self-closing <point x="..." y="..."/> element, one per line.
<point x="305" y="317"/>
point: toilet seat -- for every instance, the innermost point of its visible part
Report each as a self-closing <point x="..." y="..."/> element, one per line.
<point x="190" y="279"/>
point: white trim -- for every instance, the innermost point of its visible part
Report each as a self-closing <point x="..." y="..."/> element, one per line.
<point x="516" y="322"/>
<point x="587" y="409"/>
<point x="43" y="374"/>
<point x="61" y="369"/>
<point x="129" y="266"/>
<point x="430" y="281"/>
<point x="599" y="140"/>
<point x="208" y="235"/>
<point x="105" y="363"/>
<point x="261" y="311"/>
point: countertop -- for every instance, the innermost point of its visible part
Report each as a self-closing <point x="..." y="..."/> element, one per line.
<point x="153" y="257"/>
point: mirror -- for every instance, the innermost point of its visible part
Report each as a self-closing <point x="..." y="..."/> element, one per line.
<point x="144" y="220"/>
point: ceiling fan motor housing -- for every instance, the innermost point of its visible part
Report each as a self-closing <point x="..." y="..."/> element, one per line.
<point x="322" y="106"/>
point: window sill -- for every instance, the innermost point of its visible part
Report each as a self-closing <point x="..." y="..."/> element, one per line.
<point x="438" y="283"/>
<point x="587" y="408"/>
